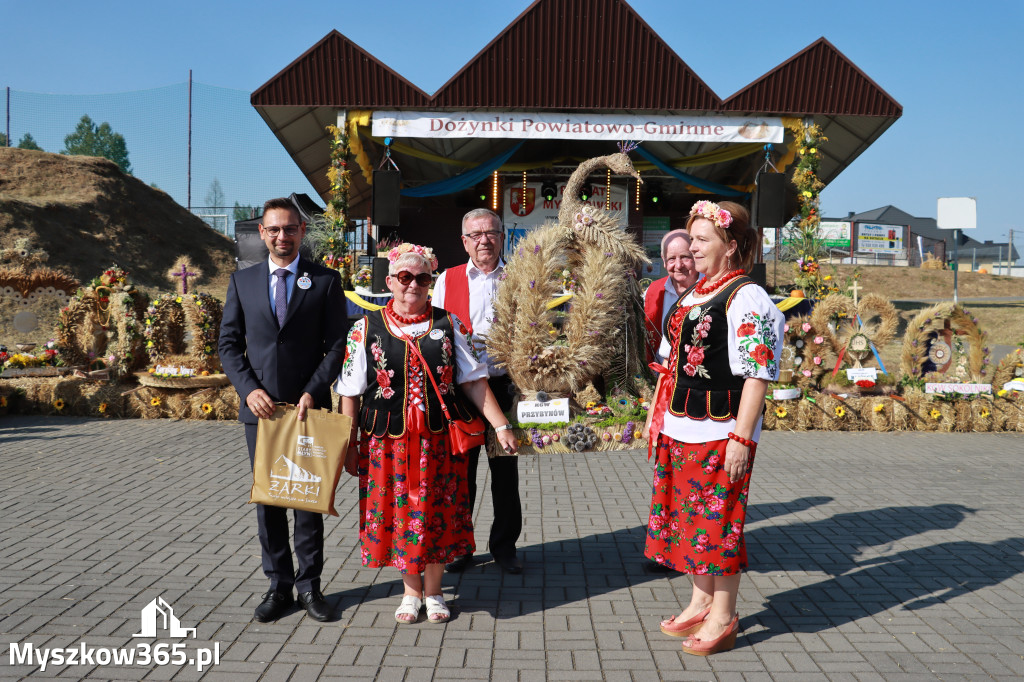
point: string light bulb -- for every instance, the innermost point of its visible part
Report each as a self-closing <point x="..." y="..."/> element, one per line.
<point x="522" y="199"/>
<point x="608" y="192"/>
<point x="494" y="192"/>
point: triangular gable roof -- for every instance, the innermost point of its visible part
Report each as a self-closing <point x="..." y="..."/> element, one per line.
<point x="817" y="80"/>
<point x="889" y="215"/>
<point x="577" y="54"/>
<point x="338" y="73"/>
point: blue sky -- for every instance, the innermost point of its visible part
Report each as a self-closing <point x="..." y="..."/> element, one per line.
<point x="955" y="68"/>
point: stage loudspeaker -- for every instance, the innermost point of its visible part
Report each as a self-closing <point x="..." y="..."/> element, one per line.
<point x="380" y="271"/>
<point x="759" y="273"/>
<point x="770" y="200"/>
<point x="386" y="188"/>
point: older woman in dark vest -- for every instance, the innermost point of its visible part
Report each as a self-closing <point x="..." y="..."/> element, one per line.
<point x="722" y="339"/>
<point x="414" y="511"/>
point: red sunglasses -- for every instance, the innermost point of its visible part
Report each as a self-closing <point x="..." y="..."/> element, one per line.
<point x="405" y="277"/>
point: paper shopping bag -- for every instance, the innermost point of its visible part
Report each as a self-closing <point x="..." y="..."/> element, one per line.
<point x="298" y="464"/>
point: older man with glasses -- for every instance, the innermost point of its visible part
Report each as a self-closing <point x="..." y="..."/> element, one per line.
<point x="468" y="292"/>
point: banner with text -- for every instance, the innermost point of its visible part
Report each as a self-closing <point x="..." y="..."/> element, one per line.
<point x="522" y="216"/>
<point x="873" y="238"/>
<point x="833" y="234"/>
<point x="561" y="126"/>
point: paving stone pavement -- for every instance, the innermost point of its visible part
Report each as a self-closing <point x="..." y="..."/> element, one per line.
<point x="874" y="556"/>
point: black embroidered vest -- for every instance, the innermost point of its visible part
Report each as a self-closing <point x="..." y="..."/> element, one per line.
<point x="704" y="385"/>
<point x="388" y="359"/>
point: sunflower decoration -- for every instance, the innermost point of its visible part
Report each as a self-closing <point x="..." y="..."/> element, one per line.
<point x="102" y="408"/>
<point x="879" y="406"/>
<point x="1010" y="368"/>
<point x="780" y="412"/>
<point x="58" y="404"/>
<point x="207" y="408"/>
<point x="154" y="401"/>
<point x="840" y="411"/>
<point x="3" y="401"/>
<point x="984" y="413"/>
<point x="935" y="413"/>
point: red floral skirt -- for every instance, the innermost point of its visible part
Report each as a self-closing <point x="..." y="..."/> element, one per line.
<point x="413" y="499"/>
<point x="697" y="515"/>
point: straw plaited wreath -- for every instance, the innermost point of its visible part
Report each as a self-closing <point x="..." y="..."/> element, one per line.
<point x="921" y="344"/>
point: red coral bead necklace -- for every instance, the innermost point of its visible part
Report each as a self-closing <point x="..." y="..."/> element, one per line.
<point x="717" y="284"/>
<point x="415" y="319"/>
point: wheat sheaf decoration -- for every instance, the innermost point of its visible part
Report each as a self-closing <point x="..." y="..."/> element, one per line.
<point x="601" y="333"/>
<point x="945" y="343"/>
<point x="854" y="329"/>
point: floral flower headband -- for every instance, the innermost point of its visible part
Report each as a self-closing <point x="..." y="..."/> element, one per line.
<point x="713" y="212"/>
<point x="406" y="247"/>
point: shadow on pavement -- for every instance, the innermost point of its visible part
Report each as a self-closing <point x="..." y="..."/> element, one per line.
<point x="914" y="578"/>
<point x="833" y="544"/>
<point x="21" y="432"/>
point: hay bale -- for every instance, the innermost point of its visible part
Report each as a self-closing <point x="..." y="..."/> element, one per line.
<point x="877" y="413"/>
<point x="963" y="416"/>
<point x="982" y="415"/>
<point x="906" y="414"/>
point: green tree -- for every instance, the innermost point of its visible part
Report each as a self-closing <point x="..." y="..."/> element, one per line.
<point x="215" y="197"/>
<point x="3" y="140"/>
<point x="242" y="212"/>
<point x="28" y="142"/>
<point x="88" y="139"/>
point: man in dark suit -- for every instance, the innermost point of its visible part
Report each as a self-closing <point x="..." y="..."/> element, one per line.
<point x="282" y="339"/>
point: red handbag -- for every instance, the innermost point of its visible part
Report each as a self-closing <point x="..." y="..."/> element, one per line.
<point x="463" y="435"/>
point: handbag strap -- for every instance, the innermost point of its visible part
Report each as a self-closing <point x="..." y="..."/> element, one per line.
<point x="423" y="363"/>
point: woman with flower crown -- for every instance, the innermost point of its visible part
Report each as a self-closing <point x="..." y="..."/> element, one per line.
<point x="414" y="511"/>
<point x="722" y="339"/>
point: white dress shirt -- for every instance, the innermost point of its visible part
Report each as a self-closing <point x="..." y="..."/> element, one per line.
<point x="293" y="270"/>
<point x="483" y="287"/>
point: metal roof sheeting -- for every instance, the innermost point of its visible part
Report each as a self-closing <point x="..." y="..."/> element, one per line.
<point x="338" y="73"/>
<point x="577" y="54"/>
<point x="817" y="80"/>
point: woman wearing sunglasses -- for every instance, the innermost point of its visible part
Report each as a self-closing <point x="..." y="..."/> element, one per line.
<point x="414" y="506"/>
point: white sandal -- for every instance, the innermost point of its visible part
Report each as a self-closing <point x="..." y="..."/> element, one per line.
<point x="410" y="606"/>
<point x="437" y="610"/>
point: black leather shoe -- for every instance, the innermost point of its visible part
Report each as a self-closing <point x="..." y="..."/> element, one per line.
<point x="274" y="605"/>
<point x="510" y="564"/>
<point x="316" y="605"/>
<point x="655" y="567"/>
<point x="460" y="564"/>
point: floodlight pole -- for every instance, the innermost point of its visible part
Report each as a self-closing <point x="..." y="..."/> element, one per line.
<point x="956" y="265"/>
<point x="189" y="172"/>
